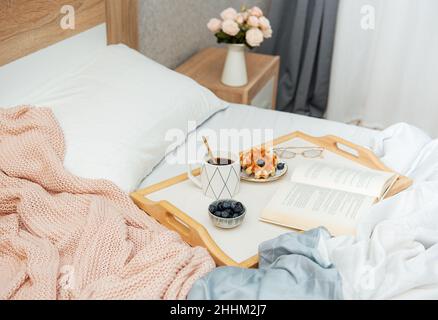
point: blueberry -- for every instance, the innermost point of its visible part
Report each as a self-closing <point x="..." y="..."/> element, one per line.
<point x="230" y="211"/>
<point x="233" y="205"/>
<point x="281" y="166"/>
<point x="218" y="214"/>
<point x="225" y="214"/>
<point x="226" y="205"/>
<point x="212" y="208"/>
<point x="220" y="206"/>
<point x="261" y="163"/>
<point x="239" y="208"/>
<point x="235" y="216"/>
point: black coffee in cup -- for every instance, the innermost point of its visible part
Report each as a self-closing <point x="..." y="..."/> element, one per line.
<point x="220" y="162"/>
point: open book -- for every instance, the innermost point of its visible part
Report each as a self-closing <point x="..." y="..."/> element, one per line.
<point x="321" y="194"/>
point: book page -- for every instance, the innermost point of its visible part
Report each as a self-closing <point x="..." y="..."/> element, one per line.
<point x="304" y="207"/>
<point x="352" y="179"/>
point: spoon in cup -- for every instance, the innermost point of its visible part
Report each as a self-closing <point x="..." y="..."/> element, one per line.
<point x="210" y="154"/>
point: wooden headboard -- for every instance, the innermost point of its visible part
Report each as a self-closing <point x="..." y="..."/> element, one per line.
<point x="27" y="26"/>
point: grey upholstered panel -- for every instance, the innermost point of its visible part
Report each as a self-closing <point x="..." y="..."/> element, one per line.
<point x="171" y="31"/>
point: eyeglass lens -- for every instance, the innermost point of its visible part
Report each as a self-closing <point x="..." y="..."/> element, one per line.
<point x="314" y="153"/>
<point x="289" y="154"/>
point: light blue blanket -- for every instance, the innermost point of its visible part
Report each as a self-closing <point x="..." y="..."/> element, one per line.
<point x="291" y="267"/>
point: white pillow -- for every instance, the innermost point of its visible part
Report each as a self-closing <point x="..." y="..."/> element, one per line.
<point x="116" y="110"/>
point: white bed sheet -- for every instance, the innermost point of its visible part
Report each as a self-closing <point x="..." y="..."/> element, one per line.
<point x="241" y="117"/>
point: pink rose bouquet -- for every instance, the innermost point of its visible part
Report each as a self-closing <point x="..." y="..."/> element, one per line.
<point x="249" y="27"/>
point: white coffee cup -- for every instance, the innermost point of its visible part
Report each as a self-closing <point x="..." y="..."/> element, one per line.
<point x="218" y="181"/>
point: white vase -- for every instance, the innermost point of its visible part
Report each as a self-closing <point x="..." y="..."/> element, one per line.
<point x="234" y="74"/>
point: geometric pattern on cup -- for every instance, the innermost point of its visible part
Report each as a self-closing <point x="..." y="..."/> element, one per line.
<point x="223" y="183"/>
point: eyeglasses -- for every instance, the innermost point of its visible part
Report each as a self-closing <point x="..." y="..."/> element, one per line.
<point x="293" y="152"/>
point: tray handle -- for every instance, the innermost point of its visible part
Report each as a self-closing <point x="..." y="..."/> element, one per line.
<point x="177" y="220"/>
<point x="352" y="151"/>
<point x="190" y="230"/>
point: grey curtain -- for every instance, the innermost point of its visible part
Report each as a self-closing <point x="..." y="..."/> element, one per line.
<point x="304" y="32"/>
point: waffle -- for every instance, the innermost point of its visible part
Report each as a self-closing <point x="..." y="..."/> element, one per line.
<point x="259" y="162"/>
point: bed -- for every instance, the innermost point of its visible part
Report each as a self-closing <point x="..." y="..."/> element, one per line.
<point x="106" y="141"/>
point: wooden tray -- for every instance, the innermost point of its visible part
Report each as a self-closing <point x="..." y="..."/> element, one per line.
<point x="196" y="234"/>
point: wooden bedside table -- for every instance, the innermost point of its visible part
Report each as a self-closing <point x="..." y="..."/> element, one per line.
<point x="206" y="68"/>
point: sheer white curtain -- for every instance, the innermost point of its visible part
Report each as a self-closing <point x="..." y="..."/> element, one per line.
<point x="389" y="74"/>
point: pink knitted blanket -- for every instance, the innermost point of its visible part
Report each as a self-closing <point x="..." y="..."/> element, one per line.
<point x="64" y="237"/>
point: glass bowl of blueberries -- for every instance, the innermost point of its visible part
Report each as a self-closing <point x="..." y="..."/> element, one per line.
<point x="227" y="214"/>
